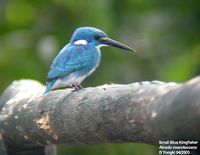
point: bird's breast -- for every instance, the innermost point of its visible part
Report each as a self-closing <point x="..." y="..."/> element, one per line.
<point x="95" y="57"/>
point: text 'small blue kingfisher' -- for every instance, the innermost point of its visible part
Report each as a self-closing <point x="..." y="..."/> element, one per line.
<point x="79" y="58"/>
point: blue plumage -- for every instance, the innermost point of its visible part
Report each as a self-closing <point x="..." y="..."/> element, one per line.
<point x="79" y="58"/>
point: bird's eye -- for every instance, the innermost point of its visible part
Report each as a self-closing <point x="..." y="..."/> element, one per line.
<point x="97" y="37"/>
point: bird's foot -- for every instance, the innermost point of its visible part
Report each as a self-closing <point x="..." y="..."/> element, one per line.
<point x="76" y="87"/>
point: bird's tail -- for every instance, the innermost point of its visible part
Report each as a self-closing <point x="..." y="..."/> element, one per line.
<point x="49" y="86"/>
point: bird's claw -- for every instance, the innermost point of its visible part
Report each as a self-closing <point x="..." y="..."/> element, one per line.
<point x="76" y="87"/>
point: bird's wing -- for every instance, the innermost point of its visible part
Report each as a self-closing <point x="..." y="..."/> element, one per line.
<point x="70" y="59"/>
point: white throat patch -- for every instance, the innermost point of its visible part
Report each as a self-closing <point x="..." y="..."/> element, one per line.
<point x="101" y="45"/>
<point x="81" y="42"/>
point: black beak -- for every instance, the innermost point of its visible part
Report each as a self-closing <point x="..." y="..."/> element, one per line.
<point x="114" y="43"/>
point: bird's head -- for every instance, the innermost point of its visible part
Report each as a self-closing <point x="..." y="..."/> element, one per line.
<point x="95" y="37"/>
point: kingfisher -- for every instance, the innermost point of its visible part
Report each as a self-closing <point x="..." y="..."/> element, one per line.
<point x="79" y="58"/>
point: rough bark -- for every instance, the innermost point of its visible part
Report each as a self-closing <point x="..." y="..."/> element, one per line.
<point x="140" y="112"/>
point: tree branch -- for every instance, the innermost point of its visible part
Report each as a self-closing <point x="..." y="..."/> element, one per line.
<point x="140" y="112"/>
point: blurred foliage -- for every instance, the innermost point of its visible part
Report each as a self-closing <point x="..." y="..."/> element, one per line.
<point x="165" y="34"/>
<point x="108" y="149"/>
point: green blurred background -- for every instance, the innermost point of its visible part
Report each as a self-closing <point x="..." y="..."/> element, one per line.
<point x="165" y="34"/>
